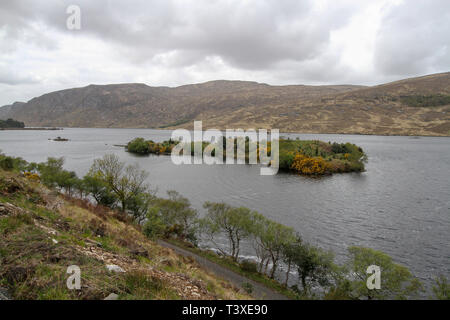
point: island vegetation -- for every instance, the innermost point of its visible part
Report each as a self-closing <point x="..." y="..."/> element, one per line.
<point x="113" y="190"/>
<point x="11" y="123"/>
<point x="306" y="157"/>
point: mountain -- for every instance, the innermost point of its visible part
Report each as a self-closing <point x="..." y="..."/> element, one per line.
<point x="417" y="106"/>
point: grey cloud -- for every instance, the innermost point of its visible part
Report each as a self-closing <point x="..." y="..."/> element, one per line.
<point x="280" y="41"/>
<point x="9" y="77"/>
<point x="414" y="38"/>
<point x="245" y="34"/>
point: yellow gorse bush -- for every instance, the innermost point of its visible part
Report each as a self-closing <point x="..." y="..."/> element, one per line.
<point x="310" y="165"/>
<point x="32" y="176"/>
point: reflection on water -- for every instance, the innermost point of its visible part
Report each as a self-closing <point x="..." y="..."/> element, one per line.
<point x="401" y="205"/>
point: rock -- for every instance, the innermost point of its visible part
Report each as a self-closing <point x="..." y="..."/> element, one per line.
<point x="114" y="268"/>
<point x="94" y="243"/>
<point x="167" y="262"/>
<point x="55" y="241"/>
<point x="8" y="209"/>
<point x="4" y="294"/>
<point x="112" y="296"/>
<point x="139" y="251"/>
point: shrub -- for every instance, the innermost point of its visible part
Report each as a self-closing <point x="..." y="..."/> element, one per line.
<point x="248" y="287"/>
<point x="32" y="176"/>
<point x="6" y="163"/>
<point x="339" y="148"/>
<point x="310" y="166"/>
<point x="138" y="145"/>
<point x="249" y="266"/>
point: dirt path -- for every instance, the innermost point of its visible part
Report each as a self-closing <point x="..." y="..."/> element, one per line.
<point x="259" y="290"/>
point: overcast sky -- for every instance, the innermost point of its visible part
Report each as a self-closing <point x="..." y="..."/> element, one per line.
<point x="170" y="43"/>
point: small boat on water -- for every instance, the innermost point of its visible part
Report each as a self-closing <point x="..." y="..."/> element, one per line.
<point x="60" y="139"/>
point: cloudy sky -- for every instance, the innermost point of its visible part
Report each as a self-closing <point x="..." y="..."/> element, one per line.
<point x="174" y="42"/>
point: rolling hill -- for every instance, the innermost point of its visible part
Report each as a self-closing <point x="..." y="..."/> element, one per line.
<point x="417" y="106"/>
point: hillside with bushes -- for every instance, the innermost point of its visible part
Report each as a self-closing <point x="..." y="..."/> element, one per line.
<point x="44" y="231"/>
<point x="108" y="223"/>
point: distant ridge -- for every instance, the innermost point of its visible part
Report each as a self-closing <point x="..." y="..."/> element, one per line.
<point x="381" y="109"/>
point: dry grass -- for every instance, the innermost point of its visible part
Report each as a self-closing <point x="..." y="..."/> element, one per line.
<point x="39" y="240"/>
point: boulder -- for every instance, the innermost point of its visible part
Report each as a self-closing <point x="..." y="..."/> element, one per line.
<point x="112" y="296"/>
<point x="114" y="268"/>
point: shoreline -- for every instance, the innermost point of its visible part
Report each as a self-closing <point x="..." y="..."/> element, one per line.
<point x="31" y="128"/>
<point x="281" y="132"/>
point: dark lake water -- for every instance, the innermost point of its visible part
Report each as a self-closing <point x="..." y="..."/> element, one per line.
<point x="400" y="205"/>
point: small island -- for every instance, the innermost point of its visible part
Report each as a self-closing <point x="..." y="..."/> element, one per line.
<point x="305" y="157"/>
<point x="11" y="123"/>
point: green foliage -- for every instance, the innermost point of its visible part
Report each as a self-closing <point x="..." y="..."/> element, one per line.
<point x="337" y="157"/>
<point x="269" y="240"/>
<point x="154" y="226"/>
<point x="248" y="287"/>
<point x="99" y="190"/>
<point x="339" y="148"/>
<point x="441" y="289"/>
<point x="314" y="265"/>
<point x="176" y="123"/>
<point x="6" y="163"/>
<point x="138" y="145"/>
<point x="234" y="223"/>
<point x="397" y="282"/>
<point x="141" y="146"/>
<point x="12" y="163"/>
<point x="344" y="157"/>
<point x="10" y="123"/>
<point x="171" y="217"/>
<point x="124" y="182"/>
<point x="249" y="266"/>
<point x="420" y="101"/>
<point x="50" y="170"/>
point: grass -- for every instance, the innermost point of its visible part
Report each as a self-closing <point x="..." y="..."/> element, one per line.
<point x="424" y="101"/>
<point x="174" y="124"/>
<point x="34" y="267"/>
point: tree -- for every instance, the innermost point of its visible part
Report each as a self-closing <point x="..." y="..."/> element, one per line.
<point x="138" y="145"/>
<point x="49" y="171"/>
<point x="154" y="227"/>
<point x="139" y="204"/>
<point x="258" y="229"/>
<point x="269" y="241"/>
<point x="397" y="282"/>
<point x="441" y="289"/>
<point x="289" y="251"/>
<point x="175" y="214"/>
<point x="66" y="180"/>
<point x="314" y="265"/>
<point x="235" y="223"/>
<point x="183" y="214"/>
<point x="277" y="236"/>
<point x="99" y="190"/>
<point x="124" y="182"/>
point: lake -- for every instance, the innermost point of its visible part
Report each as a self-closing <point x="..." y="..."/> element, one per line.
<point x="400" y="205"/>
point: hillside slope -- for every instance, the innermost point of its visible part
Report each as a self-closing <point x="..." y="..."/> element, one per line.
<point x="42" y="233"/>
<point x="241" y="104"/>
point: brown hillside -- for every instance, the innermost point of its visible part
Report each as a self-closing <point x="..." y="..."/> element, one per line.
<point x="241" y="104"/>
